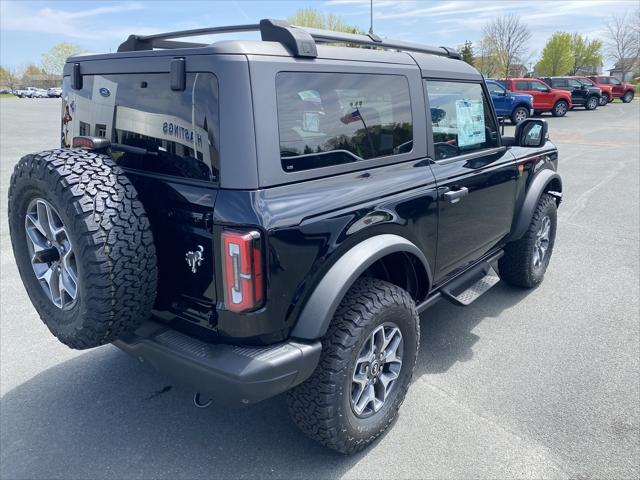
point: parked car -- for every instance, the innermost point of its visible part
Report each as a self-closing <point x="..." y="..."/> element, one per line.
<point x="545" y="98"/>
<point x="515" y="106"/>
<point x="39" y="93"/>
<point x="606" y="95"/>
<point x="623" y="91"/>
<point x="582" y="95"/>
<point x="54" y="92"/>
<point x="27" y="92"/>
<point x="253" y="238"/>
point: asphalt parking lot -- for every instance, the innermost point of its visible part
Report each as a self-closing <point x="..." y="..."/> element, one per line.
<point x="522" y="384"/>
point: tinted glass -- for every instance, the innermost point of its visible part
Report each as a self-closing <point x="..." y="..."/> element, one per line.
<point x="151" y="127"/>
<point x="574" y="83"/>
<point x="539" y="86"/>
<point x="503" y="83"/>
<point x="558" y="82"/>
<point x="614" y="81"/>
<point x="461" y="118"/>
<point x="586" y="81"/>
<point x="495" y="89"/>
<point x="522" y="85"/>
<point x="334" y="118"/>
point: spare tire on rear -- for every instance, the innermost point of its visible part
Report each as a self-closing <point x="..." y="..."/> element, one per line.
<point x="83" y="245"/>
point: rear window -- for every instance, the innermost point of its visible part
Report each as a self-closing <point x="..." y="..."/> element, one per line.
<point x="329" y="119"/>
<point x="151" y="127"/>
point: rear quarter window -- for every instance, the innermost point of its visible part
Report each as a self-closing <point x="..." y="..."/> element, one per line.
<point x="329" y="119"/>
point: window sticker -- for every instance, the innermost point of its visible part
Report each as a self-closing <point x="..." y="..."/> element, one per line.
<point x="311" y="122"/>
<point x="470" y="118"/>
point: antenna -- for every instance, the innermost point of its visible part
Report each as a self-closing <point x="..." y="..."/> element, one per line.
<point x="370" y="17"/>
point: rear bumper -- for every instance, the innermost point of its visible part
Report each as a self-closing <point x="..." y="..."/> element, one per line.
<point x="226" y="373"/>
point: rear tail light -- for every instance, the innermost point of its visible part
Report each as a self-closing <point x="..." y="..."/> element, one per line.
<point x="242" y="270"/>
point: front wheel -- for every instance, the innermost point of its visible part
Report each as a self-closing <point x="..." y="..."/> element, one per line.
<point x="519" y="114"/>
<point x="560" y="108"/>
<point x="604" y="99"/>
<point x="368" y="357"/>
<point x="592" y="103"/>
<point x="525" y="261"/>
<point x="627" y="97"/>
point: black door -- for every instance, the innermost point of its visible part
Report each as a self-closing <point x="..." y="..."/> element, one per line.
<point x="476" y="177"/>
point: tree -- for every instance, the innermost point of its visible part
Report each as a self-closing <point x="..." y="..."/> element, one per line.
<point x="586" y="53"/>
<point x="10" y="77"/>
<point x="310" y="17"/>
<point x="507" y="39"/>
<point x="467" y="52"/>
<point x="53" y="61"/>
<point x="557" y="56"/>
<point x="485" y="61"/>
<point x="623" y="44"/>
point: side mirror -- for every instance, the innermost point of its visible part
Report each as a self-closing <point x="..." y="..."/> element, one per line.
<point x="531" y="133"/>
<point x="506" y="92"/>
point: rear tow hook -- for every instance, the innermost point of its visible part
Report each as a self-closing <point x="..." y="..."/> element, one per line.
<point x="197" y="401"/>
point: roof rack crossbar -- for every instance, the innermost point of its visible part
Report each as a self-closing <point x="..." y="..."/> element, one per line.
<point x="300" y="40"/>
<point x="330" y="36"/>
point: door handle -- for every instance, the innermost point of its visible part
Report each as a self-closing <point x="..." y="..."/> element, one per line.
<point x="454" y="196"/>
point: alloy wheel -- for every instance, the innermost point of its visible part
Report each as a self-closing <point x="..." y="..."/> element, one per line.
<point x="541" y="245"/>
<point x="377" y="370"/>
<point x="51" y="252"/>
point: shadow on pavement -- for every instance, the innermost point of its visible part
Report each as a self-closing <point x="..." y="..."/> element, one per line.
<point x="103" y="415"/>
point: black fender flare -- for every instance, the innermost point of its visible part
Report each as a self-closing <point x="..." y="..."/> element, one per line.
<point x="535" y="191"/>
<point x="319" y="309"/>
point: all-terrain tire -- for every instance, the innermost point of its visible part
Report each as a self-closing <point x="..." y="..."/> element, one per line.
<point x="107" y="226"/>
<point x="321" y="406"/>
<point x="560" y="109"/>
<point x="627" y="97"/>
<point x="517" y="266"/>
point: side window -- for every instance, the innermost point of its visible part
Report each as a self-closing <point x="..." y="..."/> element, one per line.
<point x="461" y="118"/>
<point x="574" y="83"/>
<point x="336" y="118"/>
<point x="495" y="89"/>
<point x="539" y="87"/>
<point x="522" y="85"/>
<point x="559" y="83"/>
<point x="614" y="81"/>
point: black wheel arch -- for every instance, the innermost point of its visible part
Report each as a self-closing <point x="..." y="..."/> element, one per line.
<point x="382" y="256"/>
<point x="545" y="181"/>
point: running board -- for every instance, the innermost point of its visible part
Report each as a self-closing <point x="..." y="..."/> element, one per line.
<point x="467" y="288"/>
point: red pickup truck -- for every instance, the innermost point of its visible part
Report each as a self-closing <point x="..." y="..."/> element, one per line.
<point x="623" y="91"/>
<point x="545" y="98"/>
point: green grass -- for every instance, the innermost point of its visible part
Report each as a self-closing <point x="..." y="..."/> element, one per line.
<point x="7" y="95"/>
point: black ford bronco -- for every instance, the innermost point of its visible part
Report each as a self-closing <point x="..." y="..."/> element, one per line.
<point x="259" y="217"/>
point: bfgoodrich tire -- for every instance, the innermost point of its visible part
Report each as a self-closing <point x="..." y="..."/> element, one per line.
<point x="525" y="261"/>
<point x="83" y="245"/>
<point x="358" y="386"/>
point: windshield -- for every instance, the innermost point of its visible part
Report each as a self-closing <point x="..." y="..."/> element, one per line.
<point x="586" y="81"/>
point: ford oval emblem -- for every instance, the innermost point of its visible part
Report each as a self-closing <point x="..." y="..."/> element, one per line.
<point x="105" y="92"/>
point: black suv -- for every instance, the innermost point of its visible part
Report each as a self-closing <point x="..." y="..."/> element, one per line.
<point x="255" y="217"/>
<point x="582" y="94"/>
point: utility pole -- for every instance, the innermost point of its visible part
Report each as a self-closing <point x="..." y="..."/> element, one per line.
<point x="370" y="17"/>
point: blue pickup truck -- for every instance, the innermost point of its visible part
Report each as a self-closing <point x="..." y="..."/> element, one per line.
<point x="516" y="106"/>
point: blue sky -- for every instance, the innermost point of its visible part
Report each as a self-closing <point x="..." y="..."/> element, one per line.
<point x="29" y="28"/>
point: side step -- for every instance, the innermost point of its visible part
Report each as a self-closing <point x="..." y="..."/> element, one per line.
<point x="467" y="288"/>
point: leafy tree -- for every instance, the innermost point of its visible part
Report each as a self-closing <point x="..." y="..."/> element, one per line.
<point x="557" y="55"/>
<point x="485" y="61"/>
<point x="310" y="17"/>
<point x="467" y="52"/>
<point x="586" y="53"/>
<point x="53" y="61"/>
<point x="507" y="41"/>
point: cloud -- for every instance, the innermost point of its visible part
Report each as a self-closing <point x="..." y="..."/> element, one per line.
<point x="73" y="24"/>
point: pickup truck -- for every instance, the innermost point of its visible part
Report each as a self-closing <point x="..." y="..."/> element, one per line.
<point x="545" y="98"/>
<point x="515" y="106"/>
<point x="623" y="91"/>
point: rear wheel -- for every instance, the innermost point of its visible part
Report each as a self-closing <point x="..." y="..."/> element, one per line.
<point x="368" y="357"/>
<point x="560" y="108"/>
<point x="519" y="114"/>
<point x="525" y="261"/>
<point x="592" y="103"/>
<point x="627" y="97"/>
<point x="83" y="245"/>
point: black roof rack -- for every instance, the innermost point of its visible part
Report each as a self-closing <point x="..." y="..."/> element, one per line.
<point x="300" y="40"/>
